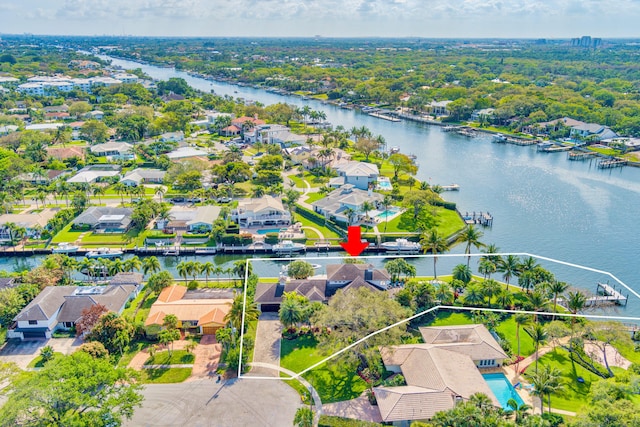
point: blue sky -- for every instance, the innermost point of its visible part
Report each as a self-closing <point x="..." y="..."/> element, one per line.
<point x="335" y="18"/>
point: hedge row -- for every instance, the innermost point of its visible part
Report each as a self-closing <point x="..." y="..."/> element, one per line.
<point x="443" y="203"/>
<point x="236" y="239"/>
<point x="331" y="421"/>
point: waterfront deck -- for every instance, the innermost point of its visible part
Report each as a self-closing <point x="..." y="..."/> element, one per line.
<point x="384" y="117"/>
<point x="478" y="218"/>
<point x="612" y="163"/>
<point x="580" y="155"/>
<point x="605" y="295"/>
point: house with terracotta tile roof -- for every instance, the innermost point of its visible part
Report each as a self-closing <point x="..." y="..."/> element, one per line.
<point x="198" y="312"/>
<point x="439" y="373"/>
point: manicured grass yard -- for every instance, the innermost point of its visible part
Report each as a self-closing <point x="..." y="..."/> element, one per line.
<point x="328" y="234"/>
<point x="178" y="357"/>
<point x="573" y="395"/>
<point x="313" y="180"/>
<point x="448" y="222"/>
<point x="165" y="376"/>
<point x="39" y="363"/>
<point x="332" y="381"/>
<point x="66" y="235"/>
<point x="313" y="197"/>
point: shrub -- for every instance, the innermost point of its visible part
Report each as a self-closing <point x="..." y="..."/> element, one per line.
<point x="95" y="349"/>
<point x="192" y="285"/>
<point x="271" y="238"/>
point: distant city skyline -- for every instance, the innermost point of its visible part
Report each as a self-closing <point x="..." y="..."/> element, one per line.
<point x="328" y="18"/>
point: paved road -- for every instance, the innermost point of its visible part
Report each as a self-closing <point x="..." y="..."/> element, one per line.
<point x="240" y="403"/>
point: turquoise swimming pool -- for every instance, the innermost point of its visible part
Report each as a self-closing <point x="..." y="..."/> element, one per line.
<point x="384" y="184"/>
<point x="269" y="230"/>
<point x="387" y="213"/>
<point x="502" y="389"/>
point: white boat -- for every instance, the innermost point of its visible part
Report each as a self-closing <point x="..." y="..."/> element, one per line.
<point x="287" y="246"/>
<point x="65" y="248"/>
<point x="105" y="253"/>
<point x="401" y="245"/>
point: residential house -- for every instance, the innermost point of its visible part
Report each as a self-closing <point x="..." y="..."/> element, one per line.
<point x="359" y="174"/>
<point x="60" y="307"/>
<point x="104" y="219"/>
<point x="43" y="127"/>
<point x="62" y="153"/>
<point x="8" y="81"/>
<point x="578" y="129"/>
<point x="344" y="201"/>
<point x="263" y="211"/>
<point x="125" y="77"/>
<point x="247" y="123"/>
<point x="7" y="129"/>
<point x="629" y="143"/>
<point x="172" y="137"/>
<point x="439" y="108"/>
<point x="299" y="153"/>
<point x="36" y="179"/>
<point x="114" y="150"/>
<point x="95" y="115"/>
<point x="231" y="130"/>
<point x="274" y="134"/>
<point x="131" y="278"/>
<point x="199" y="311"/>
<point x="439" y="373"/>
<point x="186" y="152"/>
<point x="56" y="109"/>
<point x="143" y="176"/>
<point x="8" y="282"/>
<point x="484" y="115"/>
<point x="95" y="173"/>
<point x="33" y="223"/>
<point x="59" y="115"/>
<point x="197" y="220"/>
<point x="268" y="296"/>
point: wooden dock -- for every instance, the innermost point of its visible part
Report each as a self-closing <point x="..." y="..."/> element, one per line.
<point x="478" y="218"/>
<point x="607" y="294"/>
<point x="580" y="155"/>
<point x="384" y="117"/>
<point x="612" y="163"/>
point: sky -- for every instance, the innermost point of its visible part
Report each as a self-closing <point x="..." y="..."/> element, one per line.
<point x="328" y="18"/>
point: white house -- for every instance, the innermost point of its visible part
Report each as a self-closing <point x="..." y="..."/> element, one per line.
<point x="32" y="223"/>
<point x="260" y="212"/>
<point x="143" y="176"/>
<point x="439" y="108"/>
<point x="114" y="150"/>
<point x="359" y="174"/>
<point x="94" y="173"/>
<point x="346" y="201"/>
<point x="195" y="220"/>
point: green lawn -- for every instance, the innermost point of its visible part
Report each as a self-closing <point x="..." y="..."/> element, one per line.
<point x="448" y="222"/>
<point x="574" y="394"/>
<point x="333" y="381"/>
<point x="312" y="197"/>
<point x="143" y="312"/>
<point x="66" y="235"/>
<point x="133" y="349"/>
<point x="314" y="181"/>
<point x="39" y="363"/>
<point x="251" y="334"/>
<point x="178" y="357"/>
<point x="165" y="376"/>
<point x="328" y="234"/>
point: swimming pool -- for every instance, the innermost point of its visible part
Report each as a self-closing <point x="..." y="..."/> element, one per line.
<point x="384" y="184"/>
<point x="502" y="389"/>
<point x="269" y="230"/>
<point x="387" y="213"/>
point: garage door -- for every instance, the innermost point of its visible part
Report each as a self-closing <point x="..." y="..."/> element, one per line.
<point x="209" y="330"/>
<point x="270" y="308"/>
<point x="34" y="334"/>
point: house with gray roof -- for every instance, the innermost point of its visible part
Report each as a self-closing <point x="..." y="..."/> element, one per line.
<point x="139" y="176"/>
<point x="345" y="200"/>
<point x="95" y="173"/>
<point x="60" y="307"/>
<point x="268" y="296"/>
<point x="439" y="373"/>
<point x="104" y="219"/>
<point x="114" y="150"/>
<point x="361" y="175"/>
<point x="195" y="220"/>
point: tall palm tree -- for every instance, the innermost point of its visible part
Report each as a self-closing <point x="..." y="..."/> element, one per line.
<point x="207" y="268"/>
<point x="98" y="190"/>
<point x="150" y="264"/>
<point x="519" y="410"/>
<point x="218" y="271"/>
<point x="290" y="312"/>
<point x="463" y="273"/>
<point x="434" y="243"/>
<point x="508" y="267"/>
<point x="473" y="294"/>
<point x="196" y="269"/>
<point x="86" y="266"/>
<point x="490" y="288"/>
<point x="487" y="268"/>
<point x="576" y="301"/>
<point x="539" y="336"/>
<point x="366" y="207"/>
<point x="537" y="301"/>
<point x="444" y="293"/>
<point x="471" y="236"/>
<point x="557" y="288"/>
<point x="132" y="264"/>
<point x="183" y="269"/>
<point x="120" y="189"/>
<point x="521" y="320"/>
<point x="116" y="266"/>
<point x="546" y="382"/>
<point x="386" y="202"/>
<point x="234" y="316"/>
<point x="505" y="298"/>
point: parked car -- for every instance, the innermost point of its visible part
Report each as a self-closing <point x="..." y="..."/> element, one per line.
<point x="178" y="200"/>
<point x="223" y="199"/>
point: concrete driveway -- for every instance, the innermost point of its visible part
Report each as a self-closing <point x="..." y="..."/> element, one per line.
<point x="23" y="352"/>
<point x="240" y="403"/>
<point x="267" y="344"/>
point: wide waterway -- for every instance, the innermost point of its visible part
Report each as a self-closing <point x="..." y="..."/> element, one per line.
<point x="542" y="203"/>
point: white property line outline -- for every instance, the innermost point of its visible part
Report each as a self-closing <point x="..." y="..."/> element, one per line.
<point x="408" y="319"/>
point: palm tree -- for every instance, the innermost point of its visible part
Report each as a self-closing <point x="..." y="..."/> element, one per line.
<point x="444" y="293"/>
<point x="386" y="202"/>
<point x="486" y="268"/>
<point x="545" y="382"/>
<point x="490" y="288"/>
<point x="218" y="271"/>
<point x="366" y="207"/>
<point x="350" y="214"/>
<point x="116" y="266"/>
<point x="86" y="266"/>
<point x="208" y="268"/>
<point x="471" y="236"/>
<point x="436" y="244"/>
<point x="505" y="298"/>
<point x="304" y="417"/>
<point x="519" y="410"/>
<point x="98" y="190"/>
<point x="473" y="294"/>
<point x="537" y="301"/>
<point x="64" y="189"/>
<point x="42" y="197"/>
<point x="196" y="269"/>
<point x="257" y="192"/>
<point x="291" y="312"/>
<point x="463" y="273"/>
<point x="521" y="320"/>
<point x="234" y="316"/>
<point x="508" y="267"/>
<point x="183" y="269"/>
<point x="576" y="301"/>
<point x="539" y="336"/>
<point x="556" y="288"/>
<point x="120" y="189"/>
<point x="132" y="264"/>
<point x="150" y="264"/>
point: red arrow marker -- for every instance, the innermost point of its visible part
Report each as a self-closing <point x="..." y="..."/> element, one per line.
<point x="354" y="246"/>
